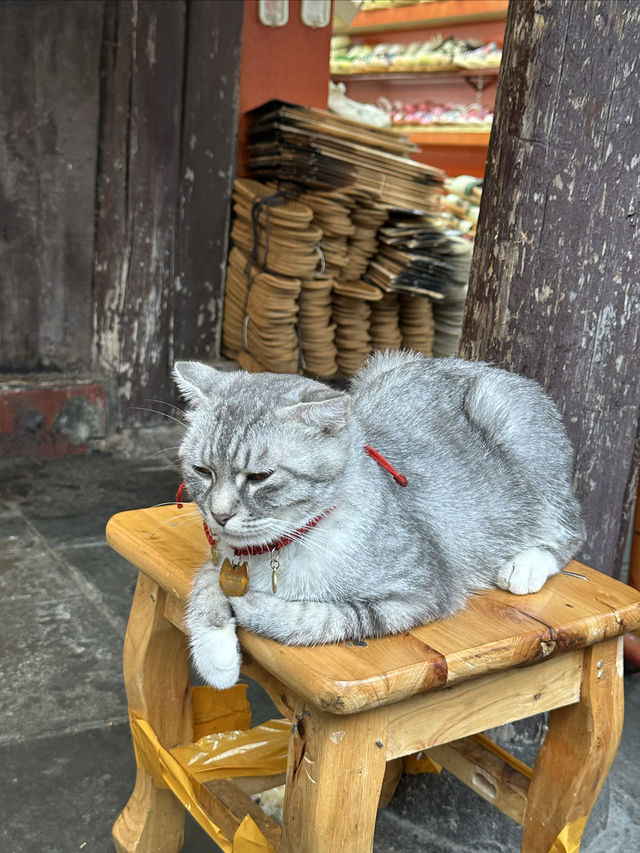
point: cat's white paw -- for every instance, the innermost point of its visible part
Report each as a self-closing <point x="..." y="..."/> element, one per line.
<point x="216" y="654"/>
<point x="527" y="571"/>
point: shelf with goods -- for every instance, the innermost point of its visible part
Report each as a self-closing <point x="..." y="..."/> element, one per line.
<point x="457" y="150"/>
<point x="447" y="137"/>
<point x="419" y="77"/>
<point x="425" y="15"/>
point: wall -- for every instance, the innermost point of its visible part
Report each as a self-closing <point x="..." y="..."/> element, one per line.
<point x="290" y="63"/>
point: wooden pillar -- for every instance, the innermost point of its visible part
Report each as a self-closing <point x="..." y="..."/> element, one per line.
<point x="166" y="165"/>
<point x="554" y="291"/>
<point x="207" y="170"/>
<point x="138" y="177"/>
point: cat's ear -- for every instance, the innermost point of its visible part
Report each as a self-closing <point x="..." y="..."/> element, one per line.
<point x="327" y="411"/>
<point x="196" y="380"/>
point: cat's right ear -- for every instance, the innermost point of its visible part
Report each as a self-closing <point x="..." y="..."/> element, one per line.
<point x="196" y="380"/>
<point x="328" y="413"/>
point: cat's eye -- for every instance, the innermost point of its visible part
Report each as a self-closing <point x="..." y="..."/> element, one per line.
<point x="203" y="472"/>
<point x="258" y="476"/>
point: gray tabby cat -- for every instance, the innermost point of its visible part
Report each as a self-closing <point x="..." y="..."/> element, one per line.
<point x="488" y="500"/>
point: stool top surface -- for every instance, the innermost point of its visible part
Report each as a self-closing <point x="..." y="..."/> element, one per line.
<point x="497" y="630"/>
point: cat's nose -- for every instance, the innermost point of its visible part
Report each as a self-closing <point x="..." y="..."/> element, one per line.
<point x="222" y="519"/>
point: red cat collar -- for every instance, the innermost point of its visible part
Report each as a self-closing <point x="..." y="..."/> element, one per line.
<point x="400" y="479"/>
<point x="278" y="544"/>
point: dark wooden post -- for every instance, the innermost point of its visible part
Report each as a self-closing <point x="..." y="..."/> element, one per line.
<point x="166" y="166"/>
<point x="139" y="156"/>
<point x="554" y="291"/>
<point x="209" y="145"/>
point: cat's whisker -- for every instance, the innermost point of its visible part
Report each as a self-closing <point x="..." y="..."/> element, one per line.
<point x="156" y="412"/>
<point x="176" y="520"/>
<point x="164" y="450"/>
<point x="165" y="403"/>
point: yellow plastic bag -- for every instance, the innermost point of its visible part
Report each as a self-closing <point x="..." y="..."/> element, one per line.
<point x="226" y="747"/>
<point x="220" y="710"/>
<point x="260" y="751"/>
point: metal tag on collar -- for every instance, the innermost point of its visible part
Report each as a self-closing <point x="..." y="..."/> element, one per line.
<point x="274" y="563"/>
<point x="234" y="577"/>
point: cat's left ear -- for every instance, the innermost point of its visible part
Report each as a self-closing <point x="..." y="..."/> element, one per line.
<point x="196" y="380"/>
<point x="328" y="414"/>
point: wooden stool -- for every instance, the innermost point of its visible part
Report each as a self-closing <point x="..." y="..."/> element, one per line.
<point x="358" y="708"/>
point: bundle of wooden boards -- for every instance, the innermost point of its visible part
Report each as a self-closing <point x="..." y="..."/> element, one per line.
<point x="313" y="147"/>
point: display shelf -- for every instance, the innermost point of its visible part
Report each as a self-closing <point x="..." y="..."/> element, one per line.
<point x="441" y="137"/>
<point x="438" y="75"/>
<point x="443" y="13"/>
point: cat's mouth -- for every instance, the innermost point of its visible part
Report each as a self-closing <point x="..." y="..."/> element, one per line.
<point x="247" y="534"/>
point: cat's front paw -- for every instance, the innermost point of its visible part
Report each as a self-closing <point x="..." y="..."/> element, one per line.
<point x="527" y="571"/>
<point x="216" y="654"/>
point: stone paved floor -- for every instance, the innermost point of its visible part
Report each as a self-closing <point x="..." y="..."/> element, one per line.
<point x="66" y="764"/>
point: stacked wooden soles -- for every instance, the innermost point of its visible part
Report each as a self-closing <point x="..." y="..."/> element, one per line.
<point x="272" y="311"/>
<point x="331" y="216"/>
<point x="317" y="329"/>
<point x="344" y="219"/>
<point x="416" y="324"/>
<point x="409" y="257"/>
<point x="384" y="326"/>
<point x="274" y="250"/>
<point x="367" y="217"/>
<point x="353" y="344"/>
<point x="278" y="234"/>
<point x="448" y="318"/>
<point x="448" y="314"/>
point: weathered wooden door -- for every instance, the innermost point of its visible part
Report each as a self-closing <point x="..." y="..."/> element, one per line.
<point x="118" y="124"/>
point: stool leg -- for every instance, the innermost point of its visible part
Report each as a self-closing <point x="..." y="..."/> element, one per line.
<point x="576" y="755"/>
<point x="156" y="672"/>
<point x="334" y="776"/>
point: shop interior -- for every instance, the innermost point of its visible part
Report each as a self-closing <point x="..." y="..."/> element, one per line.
<point x="410" y="92"/>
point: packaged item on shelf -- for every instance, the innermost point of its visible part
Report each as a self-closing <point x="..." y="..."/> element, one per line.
<point x="435" y="54"/>
<point x="374" y="5"/>
<point x="348" y="108"/>
<point x="427" y="114"/>
<point x="461" y="204"/>
<point x="465" y="186"/>
<point x="485" y="56"/>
